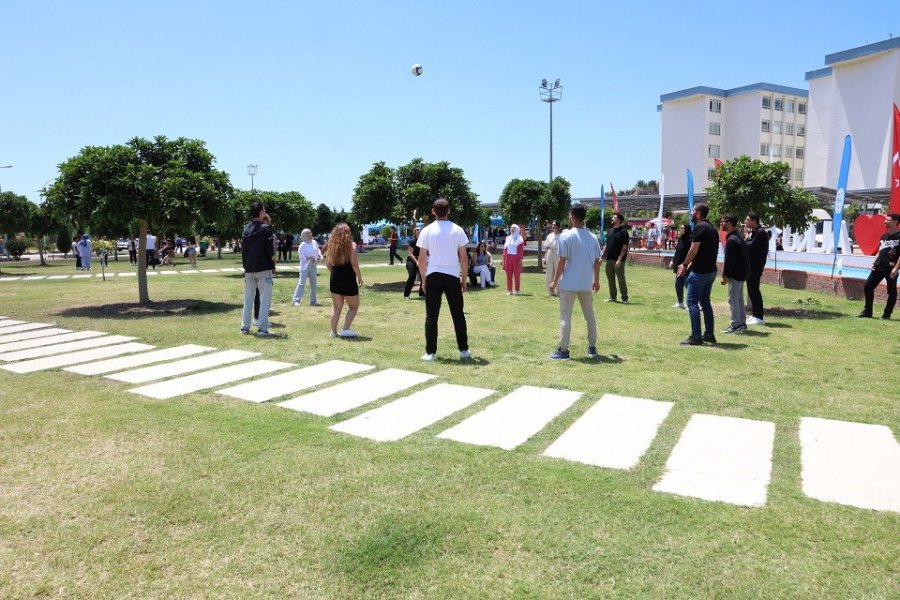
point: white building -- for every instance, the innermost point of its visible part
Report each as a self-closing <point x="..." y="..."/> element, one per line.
<point x="701" y="124"/>
<point x="854" y="94"/>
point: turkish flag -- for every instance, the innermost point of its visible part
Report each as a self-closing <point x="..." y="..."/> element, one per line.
<point x="615" y="198"/>
<point x="717" y="162"/>
<point x="894" y="206"/>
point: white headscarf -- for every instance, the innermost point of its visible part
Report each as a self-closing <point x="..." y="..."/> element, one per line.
<point x="511" y="245"/>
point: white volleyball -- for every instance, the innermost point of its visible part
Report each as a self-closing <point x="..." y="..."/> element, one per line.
<point x="417" y="69"/>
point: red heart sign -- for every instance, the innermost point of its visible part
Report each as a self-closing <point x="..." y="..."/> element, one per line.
<point x="868" y="229"/>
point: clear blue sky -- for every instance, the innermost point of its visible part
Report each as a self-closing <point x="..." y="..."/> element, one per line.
<point x="315" y="92"/>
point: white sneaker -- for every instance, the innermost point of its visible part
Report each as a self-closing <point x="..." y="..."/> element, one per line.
<point x="332" y="334"/>
<point x="295" y="303"/>
<point x="755" y="321"/>
<point x="679" y="305"/>
<point x="347" y="333"/>
<point x="429" y="357"/>
<point x="464" y="354"/>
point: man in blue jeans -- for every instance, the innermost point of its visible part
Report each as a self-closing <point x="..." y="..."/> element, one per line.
<point x="700" y="265"/>
<point x="258" y="258"/>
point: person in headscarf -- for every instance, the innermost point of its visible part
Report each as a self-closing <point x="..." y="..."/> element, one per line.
<point x="513" y="252"/>
<point x="85" y="249"/>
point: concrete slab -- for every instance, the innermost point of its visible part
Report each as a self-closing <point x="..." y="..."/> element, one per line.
<point x="5" y="331"/>
<point x="511" y="420"/>
<point x="408" y="415"/>
<point x="294" y="381"/>
<point x="229" y="270"/>
<point x="87" y="344"/>
<point x="209" y="270"/>
<point x="47" y="341"/>
<point x="358" y="392"/>
<point x="180" y="367"/>
<point x="146" y="358"/>
<point x="205" y="380"/>
<point x="82" y="276"/>
<point x="72" y="358"/>
<point x="722" y="459"/>
<point x="14" y="278"/>
<point x="613" y="433"/>
<point x="58" y="276"/>
<point x="30" y="335"/>
<point x="168" y="272"/>
<point x="850" y="463"/>
<point x="34" y="278"/>
<point x="10" y="322"/>
<point x="127" y="274"/>
<point x="189" y="271"/>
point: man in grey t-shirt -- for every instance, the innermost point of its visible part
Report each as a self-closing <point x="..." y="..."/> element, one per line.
<point x="577" y="276"/>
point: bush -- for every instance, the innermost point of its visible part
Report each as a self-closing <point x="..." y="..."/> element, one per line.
<point x="17" y="247"/>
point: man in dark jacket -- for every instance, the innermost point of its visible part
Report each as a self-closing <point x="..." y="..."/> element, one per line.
<point x="758" y="249"/>
<point x="734" y="273"/>
<point x="258" y="258"/>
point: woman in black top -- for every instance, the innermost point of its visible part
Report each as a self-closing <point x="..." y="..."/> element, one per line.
<point x="412" y="264"/>
<point x="681" y="250"/>
<point x="340" y="258"/>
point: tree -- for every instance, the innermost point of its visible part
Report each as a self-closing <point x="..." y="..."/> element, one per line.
<point x="527" y="200"/>
<point x="744" y="185"/>
<point x="16" y="213"/>
<point x="159" y="183"/>
<point x="324" y="221"/>
<point x="375" y="196"/>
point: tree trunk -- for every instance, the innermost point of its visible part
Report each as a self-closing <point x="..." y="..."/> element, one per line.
<point x="143" y="294"/>
<point x="219" y="246"/>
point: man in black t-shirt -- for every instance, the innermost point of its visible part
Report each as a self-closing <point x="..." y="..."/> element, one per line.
<point x="758" y="249"/>
<point x="614" y="254"/>
<point x="886" y="266"/>
<point x="700" y="265"/>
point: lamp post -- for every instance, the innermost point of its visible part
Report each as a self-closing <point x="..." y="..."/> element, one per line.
<point x="251" y="171"/>
<point x="5" y="167"/>
<point x="550" y="93"/>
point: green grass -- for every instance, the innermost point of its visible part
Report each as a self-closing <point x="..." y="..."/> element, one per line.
<point x="104" y="494"/>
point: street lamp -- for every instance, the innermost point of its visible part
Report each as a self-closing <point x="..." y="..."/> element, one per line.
<point x="551" y="93"/>
<point x="251" y="171"/>
<point x="5" y="167"/>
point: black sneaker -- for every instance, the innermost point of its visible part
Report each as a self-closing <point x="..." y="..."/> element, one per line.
<point x="885" y="317"/>
<point x="692" y="341"/>
<point x="592" y="352"/>
<point x="560" y="354"/>
<point x="709" y="338"/>
<point x="864" y="315"/>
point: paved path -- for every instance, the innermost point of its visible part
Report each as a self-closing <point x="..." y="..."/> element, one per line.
<point x="716" y="458"/>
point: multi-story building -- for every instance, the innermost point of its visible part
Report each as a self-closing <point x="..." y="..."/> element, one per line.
<point x="854" y="94"/>
<point x="702" y="124"/>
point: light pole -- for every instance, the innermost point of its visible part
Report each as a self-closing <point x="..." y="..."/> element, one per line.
<point x="5" y="167"/>
<point x="251" y="171"/>
<point x="551" y="93"/>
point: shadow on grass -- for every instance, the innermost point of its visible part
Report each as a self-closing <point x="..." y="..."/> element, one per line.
<point x="600" y="360"/>
<point x="474" y="361"/>
<point x="779" y="326"/>
<point x="756" y="333"/>
<point x="802" y="312"/>
<point x="357" y="338"/>
<point x="727" y="346"/>
<point x="394" y="287"/>
<point x="133" y="310"/>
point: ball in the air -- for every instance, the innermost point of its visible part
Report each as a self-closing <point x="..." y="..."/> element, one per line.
<point x="417" y="70"/>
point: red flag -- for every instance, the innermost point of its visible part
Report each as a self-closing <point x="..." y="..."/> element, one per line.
<point x="615" y="198"/>
<point x="894" y="206"/>
<point x="717" y="162"/>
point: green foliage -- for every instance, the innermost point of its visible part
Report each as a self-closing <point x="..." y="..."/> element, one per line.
<point x="16" y="213"/>
<point x="744" y="185"/>
<point x="324" y="221"/>
<point x="524" y="200"/>
<point x="17" y="246"/>
<point x="101" y="245"/>
<point x="64" y="240"/>
<point x="290" y="211"/>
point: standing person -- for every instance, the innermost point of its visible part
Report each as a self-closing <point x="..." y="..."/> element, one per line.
<point x="444" y="269"/>
<point x="151" y="250"/>
<point x="681" y="250"/>
<point x="700" y="267"/>
<point x="310" y="255"/>
<point x="652" y="236"/>
<point x="341" y="260"/>
<point x="392" y="244"/>
<point x="552" y="255"/>
<point x="886" y="266"/>
<point x="258" y="258"/>
<point x="614" y="254"/>
<point x="734" y="272"/>
<point x="85" y="250"/>
<point x="513" y="253"/>
<point x="758" y="249"/>
<point x="192" y="252"/>
<point x="412" y="264"/>
<point x="289" y="243"/>
<point x="132" y="251"/>
<point x="577" y="276"/>
<point x="76" y="254"/>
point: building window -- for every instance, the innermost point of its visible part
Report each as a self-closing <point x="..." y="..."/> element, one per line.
<point x="767" y="102"/>
<point x="789" y="106"/>
<point x="789" y="152"/>
<point x="776" y="150"/>
<point x="710" y="174"/>
<point x="779" y="103"/>
<point x="798" y="174"/>
<point x="801" y="108"/>
<point x="763" y="149"/>
<point x="801" y="130"/>
<point x="776" y="126"/>
<point x="789" y="128"/>
<point x="799" y="152"/>
<point x="715" y="106"/>
<point x="765" y="126"/>
<point x="713" y="151"/>
<point x="715" y="128"/>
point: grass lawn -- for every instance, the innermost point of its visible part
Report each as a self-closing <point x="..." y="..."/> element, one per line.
<point x="104" y="494"/>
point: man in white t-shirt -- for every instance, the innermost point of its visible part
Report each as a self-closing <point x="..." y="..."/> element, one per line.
<point x="151" y="250"/>
<point x="577" y="276"/>
<point x="443" y="268"/>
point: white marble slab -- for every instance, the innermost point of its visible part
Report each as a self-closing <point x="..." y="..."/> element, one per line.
<point x="10" y="322"/>
<point x="168" y="272"/>
<point x="47" y="341"/>
<point x="229" y="270"/>
<point x="294" y="381"/>
<point x="71" y="358"/>
<point x="722" y="459"/>
<point x="209" y="270"/>
<point x="127" y="274"/>
<point x="180" y="367"/>
<point x="4" y="331"/>
<point x="408" y="415"/>
<point x="15" y="278"/>
<point x="34" y="278"/>
<point x="152" y="273"/>
<point x="30" y="335"/>
<point x="58" y="276"/>
<point x="189" y="271"/>
<point x="358" y="392"/>
<point x="850" y="463"/>
<point x="204" y="380"/>
<point x="82" y="276"/>
<point x="511" y="420"/>
<point x="136" y="360"/>
<point x="88" y="344"/>
<point x="613" y="433"/>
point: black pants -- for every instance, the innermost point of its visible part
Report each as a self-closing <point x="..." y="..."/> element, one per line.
<point x="132" y="256"/>
<point x="413" y="270"/>
<point x="754" y="294"/>
<point x="394" y="254"/>
<point x="436" y="285"/>
<point x="872" y="282"/>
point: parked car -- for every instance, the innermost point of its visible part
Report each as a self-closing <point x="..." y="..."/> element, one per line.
<point x="122" y="244"/>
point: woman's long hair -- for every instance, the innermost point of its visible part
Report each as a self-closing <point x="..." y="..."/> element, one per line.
<point x="339" y="246"/>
